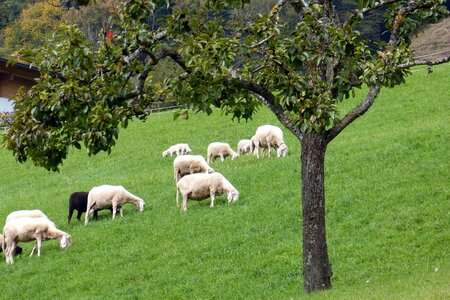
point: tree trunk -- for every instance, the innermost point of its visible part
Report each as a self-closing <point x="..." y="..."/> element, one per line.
<point x="316" y="266"/>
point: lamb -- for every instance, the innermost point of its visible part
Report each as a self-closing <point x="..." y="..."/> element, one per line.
<point x="283" y="150"/>
<point x="17" y="250"/>
<point x="78" y="201"/>
<point x="222" y="150"/>
<point x="244" y="146"/>
<point x="26" y="229"/>
<point x="106" y="196"/>
<point x="201" y="186"/>
<point x="266" y="136"/>
<point x="178" y="149"/>
<point x="189" y="164"/>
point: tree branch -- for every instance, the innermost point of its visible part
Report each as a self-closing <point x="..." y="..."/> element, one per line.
<point x="376" y="5"/>
<point x="268" y="99"/>
<point x="274" y="11"/>
<point x="357" y="112"/>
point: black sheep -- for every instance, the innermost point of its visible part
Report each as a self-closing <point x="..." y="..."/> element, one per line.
<point x="78" y="201"/>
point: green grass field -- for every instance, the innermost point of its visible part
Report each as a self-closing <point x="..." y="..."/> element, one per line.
<point x="388" y="209"/>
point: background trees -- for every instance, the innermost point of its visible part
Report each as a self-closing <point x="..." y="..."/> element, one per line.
<point x="301" y="72"/>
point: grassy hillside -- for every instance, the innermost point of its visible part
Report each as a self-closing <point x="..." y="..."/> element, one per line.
<point x="387" y="180"/>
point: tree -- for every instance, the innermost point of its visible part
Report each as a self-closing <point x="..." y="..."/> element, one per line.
<point x="29" y="31"/>
<point x="301" y="74"/>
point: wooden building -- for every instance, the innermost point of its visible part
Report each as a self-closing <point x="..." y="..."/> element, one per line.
<point x="15" y="76"/>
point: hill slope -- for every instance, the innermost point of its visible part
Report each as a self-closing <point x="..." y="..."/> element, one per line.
<point x="387" y="211"/>
<point x="434" y="41"/>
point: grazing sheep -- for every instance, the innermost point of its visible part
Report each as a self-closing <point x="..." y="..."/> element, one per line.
<point x="222" y="150"/>
<point x="189" y="164"/>
<point x="178" y="149"/>
<point x="78" y="201"/>
<point x="201" y="186"/>
<point x="244" y="146"/>
<point x="17" y="250"/>
<point x="106" y="196"/>
<point x="266" y="136"/>
<point x="26" y="229"/>
<point x="283" y="150"/>
<point x="33" y="213"/>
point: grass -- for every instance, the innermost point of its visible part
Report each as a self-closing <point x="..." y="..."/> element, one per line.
<point x="387" y="186"/>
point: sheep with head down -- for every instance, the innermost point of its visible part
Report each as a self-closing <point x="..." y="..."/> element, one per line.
<point x="31" y="213"/>
<point x="177" y="149"/>
<point x="266" y="137"/>
<point x="201" y="186"/>
<point x="190" y="164"/>
<point x="222" y="150"/>
<point x="26" y="229"/>
<point x="78" y="202"/>
<point x="111" y="196"/>
<point x="283" y="150"/>
<point x="244" y="146"/>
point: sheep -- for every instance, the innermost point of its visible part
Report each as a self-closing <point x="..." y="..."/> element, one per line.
<point x="17" y="250"/>
<point x="244" y="146"/>
<point x="222" y="150"/>
<point x="178" y="149"/>
<point x="78" y="201"/>
<point x="266" y="136"/>
<point x="106" y="196"/>
<point x="26" y="229"/>
<point x="283" y="150"/>
<point x="189" y="164"/>
<point x="201" y="186"/>
<point x="34" y="213"/>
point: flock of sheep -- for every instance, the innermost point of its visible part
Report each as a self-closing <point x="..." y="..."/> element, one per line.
<point x="193" y="176"/>
<point x="196" y="180"/>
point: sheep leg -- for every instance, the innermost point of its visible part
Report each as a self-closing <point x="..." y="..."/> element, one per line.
<point x="32" y="250"/>
<point x="221" y="157"/>
<point x="176" y="199"/>
<point x="79" y="215"/>
<point x="183" y="205"/>
<point x="69" y="217"/>
<point x="39" y="245"/>
<point x="89" y="211"/>
<point x="212" y="200"/>
<point x="114" y="207"/>
<point x="10" y="252"/>
<point x="268" y="148"/>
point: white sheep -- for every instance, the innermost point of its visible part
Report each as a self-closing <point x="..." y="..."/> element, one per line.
<point x="26" y="229"/>
<point x="111" y="196"/>
<point x="222" y="150"/>
<point x="266" y="136"/>
<point x="189" y="164"/>
<point x="201" y="186"/>
<point x="244" y="146"/>
<point x="33" y="213"/>
<point x="177" y="149"/>
<point x="283" y="150"/>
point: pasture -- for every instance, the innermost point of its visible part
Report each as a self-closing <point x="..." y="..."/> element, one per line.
<point x="388" y="206"/>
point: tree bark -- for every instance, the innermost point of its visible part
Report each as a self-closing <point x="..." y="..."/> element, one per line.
<point x="316" y="266"/>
